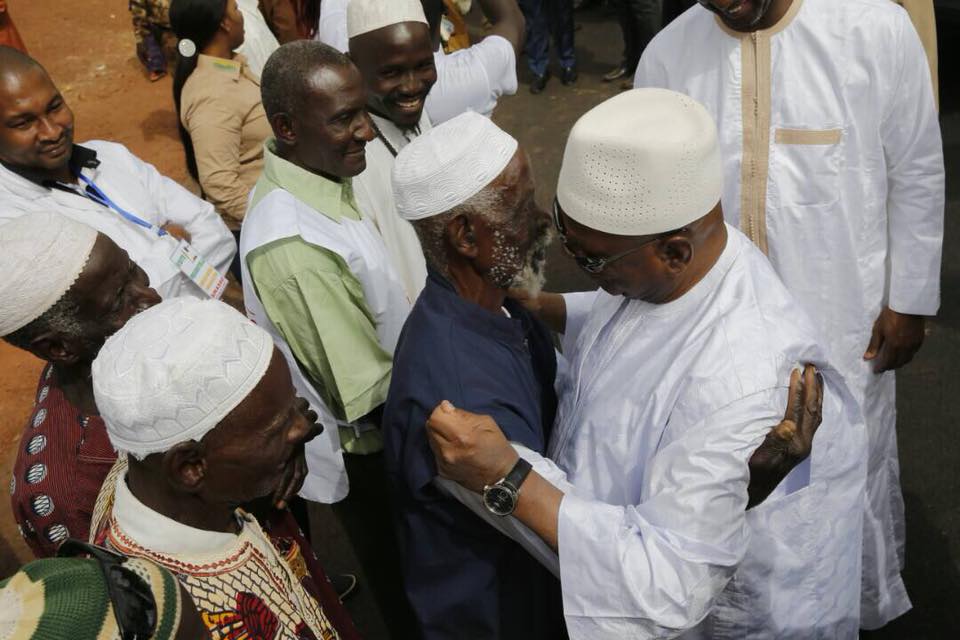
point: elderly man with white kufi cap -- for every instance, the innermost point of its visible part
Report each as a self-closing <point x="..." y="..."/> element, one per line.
<point x="65" y="289"/>
<point x="202" y="403"/>
<point x="390" y="44"/>
<point x="677" y="367"/>
<point x="465" y="340"/>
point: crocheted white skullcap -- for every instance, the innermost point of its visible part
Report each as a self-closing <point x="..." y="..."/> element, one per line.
<point x="449" y="164"/>
<point x="644" y="162"/>
<point x="174" y="371"/>
<point x="370" y="15"/>
<point x="41" y="256"/>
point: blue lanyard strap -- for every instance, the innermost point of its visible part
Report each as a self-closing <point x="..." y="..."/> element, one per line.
<point x="97" y="195"/>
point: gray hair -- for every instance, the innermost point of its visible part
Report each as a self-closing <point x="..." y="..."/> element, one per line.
<point x="62" y="318"/>
<point x="285" y="80"/>
<point x="487" y="203"/>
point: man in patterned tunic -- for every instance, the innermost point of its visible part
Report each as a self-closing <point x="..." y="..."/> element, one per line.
<point x="202" y="403"/>
<point x="67" y="289"/>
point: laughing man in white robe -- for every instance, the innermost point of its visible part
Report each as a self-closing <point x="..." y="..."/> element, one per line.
<point x="676" y="370"/>
<point x="833" y="166"/>
<point x="390" y="44"/>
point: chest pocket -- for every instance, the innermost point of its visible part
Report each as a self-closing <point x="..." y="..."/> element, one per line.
<point x="805" y="166"/>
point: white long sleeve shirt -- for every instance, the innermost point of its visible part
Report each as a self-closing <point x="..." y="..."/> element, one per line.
<point x="833" y="164"/>
<point x="140" y="189"/>
<point x="661" y="407"/>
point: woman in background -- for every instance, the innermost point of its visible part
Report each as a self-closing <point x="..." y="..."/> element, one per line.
<point x="222" y="122"/>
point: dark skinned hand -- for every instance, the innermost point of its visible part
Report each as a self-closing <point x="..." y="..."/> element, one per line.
<point x="296" y="471"/>
<point x="790" y="442"/>
<point x="470" y="449"/>
<point x="291" y="482"/>
<point x="177" y="231"/>
<point x="896" y="338"/>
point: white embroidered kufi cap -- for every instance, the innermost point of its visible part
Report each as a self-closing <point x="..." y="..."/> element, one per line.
<point x="644" y="162"/>
<point x="41" y="256"/>
<point x="449" y="164"/>
<point x="369" y="15"/>
<point x="174" y="371"/>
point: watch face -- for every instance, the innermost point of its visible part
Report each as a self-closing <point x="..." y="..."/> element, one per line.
<point x="499" y="500"/>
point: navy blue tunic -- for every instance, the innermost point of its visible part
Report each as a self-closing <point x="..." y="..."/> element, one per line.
<point x="465" y="579"/>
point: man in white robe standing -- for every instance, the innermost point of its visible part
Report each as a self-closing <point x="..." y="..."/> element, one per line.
<point x="833" y="166"/>
<point x="390" y="44"/>
<point x="675" y="371"/>
<point x="470" y="79"/>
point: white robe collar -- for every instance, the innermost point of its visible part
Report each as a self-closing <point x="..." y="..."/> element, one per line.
<point x="159" y="533"/>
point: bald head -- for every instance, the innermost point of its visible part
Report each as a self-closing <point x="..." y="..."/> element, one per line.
<point x="288" y="75"/>
<point x="36" y="125"/>
<point x="14" y="61"/>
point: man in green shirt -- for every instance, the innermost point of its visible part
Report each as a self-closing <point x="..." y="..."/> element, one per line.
<point x="318" y="277"/>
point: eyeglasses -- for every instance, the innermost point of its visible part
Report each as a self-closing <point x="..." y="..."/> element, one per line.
<point x="133" y="603"/>
<point x="591" y="264"/>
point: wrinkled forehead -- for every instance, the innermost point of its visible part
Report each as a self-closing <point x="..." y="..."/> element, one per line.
<point x="105" y="269"/>
<point x="392" y="44"/>
<point x="264" y="406"/>
<point x="333" y="85"/>
<point x="517" y="173"/>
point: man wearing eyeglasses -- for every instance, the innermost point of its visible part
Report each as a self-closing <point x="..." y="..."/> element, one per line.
<point x="675" y="370"/>
<point x="833" y="167"/>
<point x="465" y="341"/>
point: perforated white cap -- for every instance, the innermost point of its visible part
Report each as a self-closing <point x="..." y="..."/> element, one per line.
<point x="449" y="164"/>
<point x="644" y="162"/>
<point x="41" y="255"/>
<point x="174" y="371"/>
<point x="370" y="15"/>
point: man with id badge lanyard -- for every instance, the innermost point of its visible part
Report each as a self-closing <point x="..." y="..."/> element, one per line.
<point x="174" y="236"/>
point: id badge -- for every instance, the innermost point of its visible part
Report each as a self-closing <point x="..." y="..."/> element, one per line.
<point x="202" y="273"/>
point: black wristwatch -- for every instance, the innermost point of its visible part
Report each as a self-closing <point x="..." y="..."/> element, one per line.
<point x="500" y="498"/>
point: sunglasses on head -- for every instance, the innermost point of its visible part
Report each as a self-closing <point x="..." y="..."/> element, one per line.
<point x="134" y="606"/>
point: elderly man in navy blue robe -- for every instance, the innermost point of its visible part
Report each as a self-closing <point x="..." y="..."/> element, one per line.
<point x="465" y="339"/>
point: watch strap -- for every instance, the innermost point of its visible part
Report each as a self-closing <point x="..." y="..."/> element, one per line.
<point x="518" y="474"/>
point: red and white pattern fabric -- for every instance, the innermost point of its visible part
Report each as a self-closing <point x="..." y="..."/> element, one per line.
<point x="62" y="459"/>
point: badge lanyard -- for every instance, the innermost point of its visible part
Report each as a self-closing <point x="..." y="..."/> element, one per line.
<point x="184" y="256"/>
<point x="97" y="195"/>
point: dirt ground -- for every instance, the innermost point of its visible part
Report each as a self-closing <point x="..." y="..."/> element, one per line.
<point x="88" y="49"/>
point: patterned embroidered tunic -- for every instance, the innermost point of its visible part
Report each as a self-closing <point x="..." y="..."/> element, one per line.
<point x="242" y="585"/>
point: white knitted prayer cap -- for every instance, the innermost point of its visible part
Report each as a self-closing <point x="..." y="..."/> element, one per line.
<point x="41" y="256"/>
<point x="449" y="164"/>
<point x="174" y="371"/>
<point x="369" y="15"/>
<point x="644" y="162"/>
